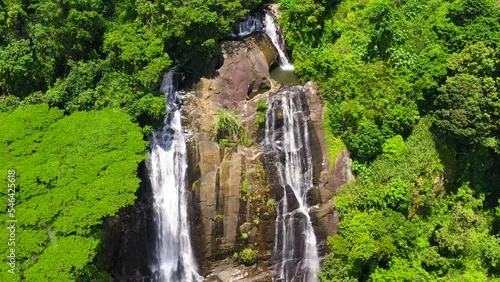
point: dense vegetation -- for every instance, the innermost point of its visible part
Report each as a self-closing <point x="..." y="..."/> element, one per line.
<point x="413" y="92"/>
<point x="71" y="172"/>
<point x="412" y="89"/>
<point x="78" y="90"/>
<point x="88" y="55"/>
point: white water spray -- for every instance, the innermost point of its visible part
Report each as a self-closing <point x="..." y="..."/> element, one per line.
<point x="272" y="31"/>
<point x="287" y="135"/>
<point x="249" y="24"/>
<point x="167" y="171"/>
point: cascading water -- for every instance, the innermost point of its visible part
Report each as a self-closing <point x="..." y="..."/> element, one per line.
<point x="286" y="135"/>
<point x="257" y="22"/>
<point x="167" y="171"/>
<point x="272" y="31"/>
<point x="249" y="24"/>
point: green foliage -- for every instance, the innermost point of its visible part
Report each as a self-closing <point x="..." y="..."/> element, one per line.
<point x="468" y="104"/>
<point x="380" y="63"/>
<point x="9" y="103"/>
<point x="302" y="21"/>
<point x="191" y="29"/>
<point x="218" y="217"/>
<point x="138" y="51"/>
<point x="72" y="172"/>
<point x="396" y="224"/>
<point x="72" y="253"/>
<point x="245" y="140"/>
<point x="271" y="203"/>
<point x="227" y="126"/>
<point x="401" y="270"/>
<point x="245" y="188"/>
<point x="394" y="148"/>
<point x="248" y="256"/>
<point x="256" y="220"/>
<point x="384" y="67"/>
<point x="335" y="145"/>
<point x="16" y="63"/>
<point x="398" y="195"/>
<point x="369" y="104"/>
<point x="477" y="60"/>
<point x="93" y="85"/>
<point x="245" y="235"/>
<point x="88" y="55"/>
<point x="41" y="38"/>
<point x="261" y="108"/>
<point x="360" y="169"/>
<point x="226" y="143"/>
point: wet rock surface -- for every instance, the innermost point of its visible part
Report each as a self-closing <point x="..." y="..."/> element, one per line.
<point x="130" y="237"/>
<point x="231" y="203"/>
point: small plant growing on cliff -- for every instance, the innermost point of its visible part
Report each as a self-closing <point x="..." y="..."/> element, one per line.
<point x="227" y="126"/>
<point x="248" y="256"/>
<point x="334" y="144"/>
<point x="261" y="105"/>
<point x="271" y="204"/>
<point x="260" y="172"/>
<point x="256" y="220"/>
<point x="226" y="143"/>
<point x="246" y="141"/>
<point x="245" y="188"/>
<point x="261" y="114"/>
<point x="245" y="235"/>
<point x="218" y="217"/>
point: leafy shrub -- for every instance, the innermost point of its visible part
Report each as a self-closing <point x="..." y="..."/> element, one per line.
<point x="227" y="126"/>
<point x="226" y="143"/>
<point x="229" y="131"/>
<point x="271" y="203"/>
<point x="245" y="235"/>
<point x="256" y="220"/>
<point x="248" y="256"/>
<point x="398" y="195"/>
<point x="394" y="148"/>
<point x="335" y="144"/>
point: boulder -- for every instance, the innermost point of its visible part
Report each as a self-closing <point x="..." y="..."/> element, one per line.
<point x="245" y="70"/>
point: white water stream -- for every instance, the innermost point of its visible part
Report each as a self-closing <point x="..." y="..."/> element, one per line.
<point x="167" y="172"/>
<point x="272" y="31"/>
<point x="287" y="136"/>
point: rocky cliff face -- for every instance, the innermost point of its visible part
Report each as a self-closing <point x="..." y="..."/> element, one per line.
<point x="129" y="237"/>
<point x="233" y="185"/>
<point x="232" y="202"/>
<point x="234" y="209"/>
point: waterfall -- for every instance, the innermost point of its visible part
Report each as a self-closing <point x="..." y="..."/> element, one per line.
<point x="247" y="25"/>
<point x="252" y="23"/>
<point x="167" y="171"/>
<point x="272" y="31"/>
<point x="287" y="137"/>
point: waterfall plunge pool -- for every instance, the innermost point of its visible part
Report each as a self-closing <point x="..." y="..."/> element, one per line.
<point x="285" y="75"/>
